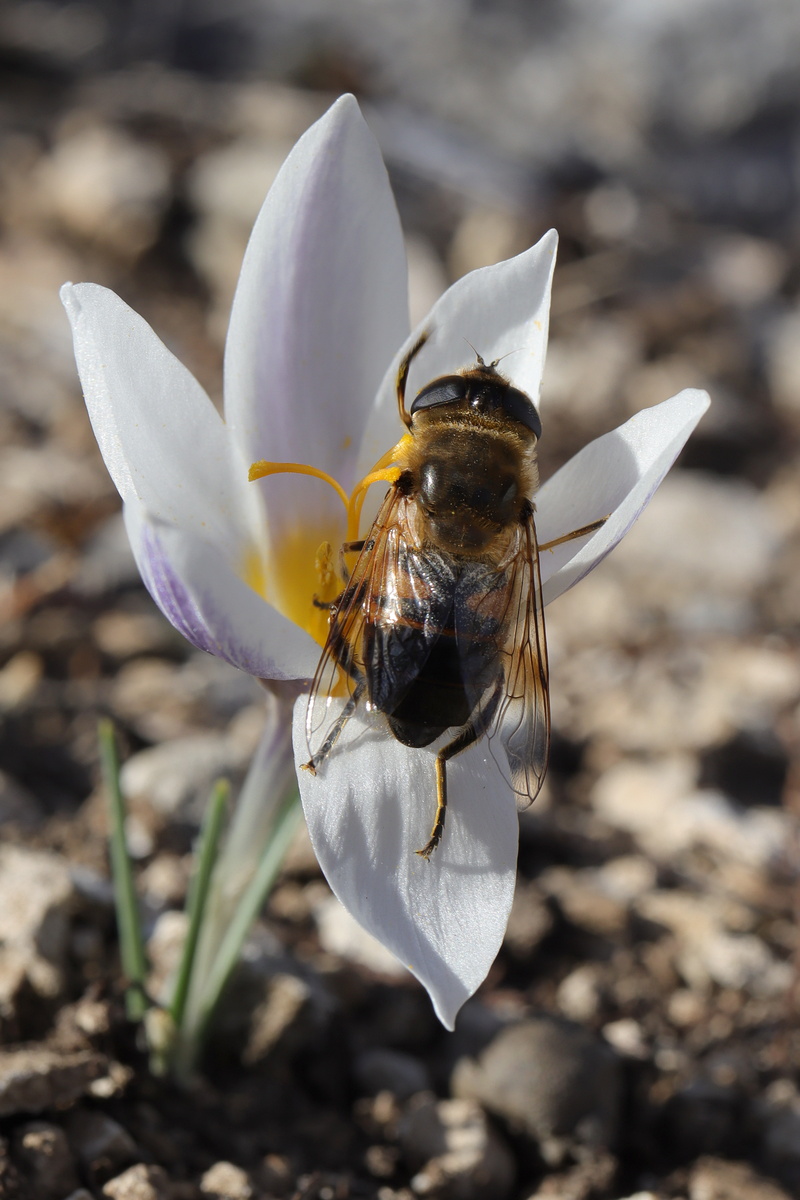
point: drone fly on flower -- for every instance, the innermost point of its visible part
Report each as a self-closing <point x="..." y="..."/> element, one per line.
<point x="440" y="626"/>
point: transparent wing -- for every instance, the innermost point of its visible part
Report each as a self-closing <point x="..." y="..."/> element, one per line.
<point x="522" y="719"/>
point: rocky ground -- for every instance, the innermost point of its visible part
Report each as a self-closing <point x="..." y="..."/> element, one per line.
<point x="638" y="1036"/>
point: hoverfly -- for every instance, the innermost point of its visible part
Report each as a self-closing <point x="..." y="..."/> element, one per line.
<point x="440" y="626"/>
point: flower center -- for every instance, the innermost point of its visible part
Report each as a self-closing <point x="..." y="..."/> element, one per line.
<point x="306" y="579"/>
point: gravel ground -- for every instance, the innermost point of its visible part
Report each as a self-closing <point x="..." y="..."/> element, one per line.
<point x="638" y="1036"/>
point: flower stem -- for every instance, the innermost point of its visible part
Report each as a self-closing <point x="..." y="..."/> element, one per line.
<point x="128" y="923"/>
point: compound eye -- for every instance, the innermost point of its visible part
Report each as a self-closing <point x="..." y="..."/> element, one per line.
<point x="521" y="408"/>
<point x="446" y="390"/>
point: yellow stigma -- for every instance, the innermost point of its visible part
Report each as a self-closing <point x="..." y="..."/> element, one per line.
<point x="305" y="579"/>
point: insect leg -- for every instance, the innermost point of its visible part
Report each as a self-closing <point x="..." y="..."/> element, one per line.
<point x="470" y="734"/>
<point x="576" y="533"/>
<point x="402" y="377"/>
<point x="336" y="729"/>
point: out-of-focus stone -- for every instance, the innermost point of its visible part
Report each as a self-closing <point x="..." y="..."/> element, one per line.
<point x="19" y="679"/>
<point x="34" y="1079"/>
<point x="530" y="921"/>
<point x="702" y="1117"/>
<point x="580" y="993"/>
<point x="550" y="1079"/>
<point x="139" y="1183"/>
<point x="714" y="945"/>
<point x="125" y="634"/>
<point x="38" y="898"/>
<point x="586" y="371"/>
<point x="584" y="901"/>
<point x="745" y="270"/>
<point x="225" y="1181"/>
<point x="100" y="1142"/>
<point x="777" y="1117"/>
<point x="43" y="1151"/>
<point x="105" y="187"/>
<point x="719" y="1179"/>
<point x="783" y="365"/>
<point x="282" y="1019"/>
<point x="165" y="880"/>
<point x="164" y="949"/>
<point x="592" y="1177"/>
<point x="382" y="1070"/>
<point x="454" y="1151"/>
<point x="17" y="804"/>
<point x="177" y="776"/>
<point x="340" y="934"/>
<point x="680" y="552"/>
<point x="627" y="1037"/>
<point x="660" y="805"/>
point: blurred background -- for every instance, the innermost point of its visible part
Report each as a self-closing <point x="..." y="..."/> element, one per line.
<point x="656" y="909"/>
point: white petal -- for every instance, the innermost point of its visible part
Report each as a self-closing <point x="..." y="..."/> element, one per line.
<point x="368" y="809"/>
<point x="320" y="308"/>
<point x="193" y="585"/>
<point x="616" y="475"/>
<point x="164" y="443"/>
<point x="501" y="309"/>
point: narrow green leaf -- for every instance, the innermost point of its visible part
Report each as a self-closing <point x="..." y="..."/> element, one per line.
<point x="205" y="856"/>
<point x="246" y="911"/>
<point x="128" y="923"/>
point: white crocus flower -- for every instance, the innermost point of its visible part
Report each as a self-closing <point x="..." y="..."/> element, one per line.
<point x="318" y="328"/>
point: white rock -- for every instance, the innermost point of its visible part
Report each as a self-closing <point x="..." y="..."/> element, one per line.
<point x="659" y="804"/>
<point x="38" y="896"/>
<point x="453" y="1148"/>
<point x="340" y="934"/>
<point x="104" y="186"/>
<point x="783" y="364"/>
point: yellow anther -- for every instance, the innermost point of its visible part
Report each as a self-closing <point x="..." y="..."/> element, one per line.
<point x="323" y="565"/>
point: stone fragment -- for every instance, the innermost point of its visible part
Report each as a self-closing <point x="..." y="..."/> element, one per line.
<point x="777" y="1116"/>
<point x="141" y="1182"/>
<point x="282" y="1019"/>
<point x="593" y="1176"/>
<point x="17" y="804"/>
<point x="550" y="1079"/>
<point x="530" y="921"/>
<point x="660" y="804"/>
<point x="340" y="934"/>
<point x="718" y="1179"/>
<point x="714" y="943"/>
<point x="225" y="1181"/>
<point x="36" y="1078"/>
<point x="101" y="185"/>
<point x="43" y="1152"/>
<point x="383" y="1070"/>
<point x="38" y="896"/>
<point x="580" y="993"/>
<point x="164" y="949"/>
<point x="177" y="776"/>
<point x="453" y="1151"/>
<point x="100" y="1142"/>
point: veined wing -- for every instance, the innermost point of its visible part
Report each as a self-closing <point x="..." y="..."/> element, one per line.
<point x="502" y="645"/>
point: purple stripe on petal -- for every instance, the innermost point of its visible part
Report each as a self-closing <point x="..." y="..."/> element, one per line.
<point x="170" y="595"/>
